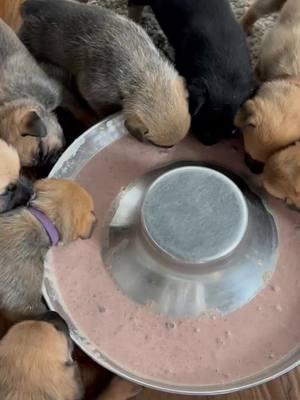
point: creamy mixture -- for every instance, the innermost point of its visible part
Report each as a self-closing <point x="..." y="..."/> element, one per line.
<point x="209" y="350"/>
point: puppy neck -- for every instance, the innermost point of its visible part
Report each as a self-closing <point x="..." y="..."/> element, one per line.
<point x="48" y="226"/>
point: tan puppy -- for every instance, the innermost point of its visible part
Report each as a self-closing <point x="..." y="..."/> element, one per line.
<point x="27" y="100"/>
<point x="271" y="120"/>
<point x="115" y="65"/>
<point x="36" y="364"/>
<point x="65" y="213"/>
<point x="15" y="190"/>
<point x="281" y="177"/>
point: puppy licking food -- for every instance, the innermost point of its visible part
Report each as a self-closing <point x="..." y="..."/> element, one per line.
<point x="281" y="177"/>
<point x="27" y="99"/>
<point x="15" y="190"/>
<point x="36" y="363"/>
<point x="63" y="211"/>
<point x="211" y="54"/>
<point x="115" y="65"/>
<point x="271" y="120"/>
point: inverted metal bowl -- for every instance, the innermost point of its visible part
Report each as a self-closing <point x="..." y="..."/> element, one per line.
<point x="169" y="231"/>
<point x="190" y="228"/>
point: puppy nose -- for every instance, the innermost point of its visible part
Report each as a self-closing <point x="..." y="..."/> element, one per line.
<point x="56" y="320"/>
<point x="255" y="166"/>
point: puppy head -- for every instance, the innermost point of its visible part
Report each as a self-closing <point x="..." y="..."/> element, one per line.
<point x="213" y="106"/>
<point x="159" y="113"/>
<point x="33" y="131"/>
<point x="281" y="176"/>
<point x="68" y="206"/>
<point x="36" y="361"/>
<point x="15" y="190"/>
<point x="269" y="122"/>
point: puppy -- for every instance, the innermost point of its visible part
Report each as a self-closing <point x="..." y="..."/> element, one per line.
<point x="270" y="121"/>
<point x="36" y="363"/>
<point x="115" y="65"/>
<point x="27" y="99"/>
<point x="211" y="54"/>
<point x="15" y="190"/>
<point x="281" y="176"/>
<point x="62" y="211"/>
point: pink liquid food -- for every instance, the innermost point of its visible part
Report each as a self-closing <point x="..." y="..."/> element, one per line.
<point x="211" y="349"/>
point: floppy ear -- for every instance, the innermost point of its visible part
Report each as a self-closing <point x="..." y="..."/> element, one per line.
<point x="136" y="127"/>
<point x="197" y="98"/>
<point x="33" y="125"/>
<point x="246" y="115"/>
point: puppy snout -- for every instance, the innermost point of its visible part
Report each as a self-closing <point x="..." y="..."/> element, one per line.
<point x="255" y="166"/>
<point x="56" y="320"/>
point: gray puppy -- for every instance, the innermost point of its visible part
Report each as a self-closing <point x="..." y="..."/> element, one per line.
<point x="115" y="65"/>
<point x="27" y="99"/>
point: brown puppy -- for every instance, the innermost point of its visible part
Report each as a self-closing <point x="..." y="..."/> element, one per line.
<point x="27" y="98"/>
<point x="271" y="120"/>
<point x="15" y="190"/>
<point x="61" y="211"/>
<point x="281" y="177"/>
<point x="36" y="364"/>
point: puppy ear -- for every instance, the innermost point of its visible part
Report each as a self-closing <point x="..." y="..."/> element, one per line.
<point x="136" y="127"/>
<point x="246" y="115"/>
<point x="197" y="98"/>
<point x="33" y="125"/>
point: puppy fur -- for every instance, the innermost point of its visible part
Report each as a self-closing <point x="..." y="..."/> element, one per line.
<point x="115" y="65"/>
<point x="211" y="54"/>
<point x="15" y="190"/>
<point x="36" y="363"/>
<point x="27" y="99"/>
<point x="281" y="176"/>
<point x="24" y="242"/>
<point x="271" y="120"/>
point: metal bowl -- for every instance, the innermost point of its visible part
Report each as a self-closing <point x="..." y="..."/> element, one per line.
<point x="180" y="247"/>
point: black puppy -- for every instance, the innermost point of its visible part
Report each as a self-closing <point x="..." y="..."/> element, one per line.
<point x="211" y="54"/>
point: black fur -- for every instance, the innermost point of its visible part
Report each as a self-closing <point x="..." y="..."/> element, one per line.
<point x="211" y="53"/>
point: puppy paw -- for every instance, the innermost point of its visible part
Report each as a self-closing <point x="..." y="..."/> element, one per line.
<point x="121" y="389"/>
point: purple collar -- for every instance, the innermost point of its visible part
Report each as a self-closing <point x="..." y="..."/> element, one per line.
<point x="46" y="224"/>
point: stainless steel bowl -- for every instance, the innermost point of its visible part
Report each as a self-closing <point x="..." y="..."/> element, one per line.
<point x="169" y="231"/>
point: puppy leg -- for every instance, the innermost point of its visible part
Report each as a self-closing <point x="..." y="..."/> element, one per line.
<point x="120" y="389"/>
<point x="260" y="9"/>
<point x="135" y="10"/>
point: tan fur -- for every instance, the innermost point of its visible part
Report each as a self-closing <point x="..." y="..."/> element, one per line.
<point x="36" y="364"/>
<point x="9" y="165"/>
<point x="271" y="120"/>
<point x="33" y="358"/>
<point x="13" y="120"/>
<point x="281" y="177"/>
<point x="156" y="126"/>
<point x="68" y="206"/>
